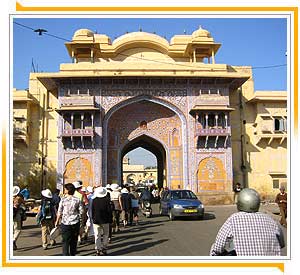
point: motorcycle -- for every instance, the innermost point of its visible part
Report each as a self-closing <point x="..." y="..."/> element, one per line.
<point x="146" y="209"/>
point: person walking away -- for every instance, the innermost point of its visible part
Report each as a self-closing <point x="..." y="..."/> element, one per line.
<point x="112" y="207"/>
<point x="83" y="199"/>
<point x="125" y="205"/>
<point x="46" y="217"/>
<point x="25" y="193"/>
<point x="134" y="206"/>
<point x="70" y="213"/>
<point x="115" y="197"/>
<point x="237" y="189"/>
<point x="281" y="200"/>
<point x="248" y="232"/>
<point x="102" y="217"/>
<point x="56" y="198"/>
<point x="18" y="201"/>
<point x="89" y="231"/>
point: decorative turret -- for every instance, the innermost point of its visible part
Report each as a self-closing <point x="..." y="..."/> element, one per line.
<point x="201" y="45"/>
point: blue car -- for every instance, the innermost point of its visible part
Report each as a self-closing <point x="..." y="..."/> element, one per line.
<point x="180" y="203"/>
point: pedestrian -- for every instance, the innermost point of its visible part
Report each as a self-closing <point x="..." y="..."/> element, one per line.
<point x="80" y="194"/>
<point x="89" y="231"/>
<point x="46" y="217"/>
<point x="125" y="206"/>
<point x="56" y="198"/>
<point x="248" y="232"/>
<point x="281" y="200"/>
<point x="70" y="212"/>
<point x="134" y="206"/>
<point x="102" y="217"/>
<point x="18" y="201"/>
<point x="237" y="189"/>
<point x="112" y="205"/>
<point x="25" y="193"/>
<point x="115" y="196"/>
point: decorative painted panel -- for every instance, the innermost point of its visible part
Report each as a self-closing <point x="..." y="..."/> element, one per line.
<point x="79" y="169"/>
<point x="211" y="175"/>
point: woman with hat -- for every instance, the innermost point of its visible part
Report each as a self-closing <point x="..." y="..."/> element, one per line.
<point x="125" y="205"/>
<point x="17" y="203"/>
<point x="115" y="196"/>
<point x="102" y="217"/>
<point x="46" y="217"/>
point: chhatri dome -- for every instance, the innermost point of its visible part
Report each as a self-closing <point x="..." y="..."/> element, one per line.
<point x="201" y="33"/>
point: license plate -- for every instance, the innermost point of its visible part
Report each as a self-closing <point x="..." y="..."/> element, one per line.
<point x="190" y="210"/>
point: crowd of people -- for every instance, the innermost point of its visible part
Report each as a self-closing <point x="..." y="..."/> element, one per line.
<point x="83" y="214"/>
<point x="96" y="213"/>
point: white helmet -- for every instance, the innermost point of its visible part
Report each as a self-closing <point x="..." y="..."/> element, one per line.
<point x="248" y="200"/>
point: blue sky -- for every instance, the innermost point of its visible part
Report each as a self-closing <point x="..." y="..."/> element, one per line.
<point x="257" y="42"/>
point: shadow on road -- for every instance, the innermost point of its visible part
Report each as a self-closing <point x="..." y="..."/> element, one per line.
<point x="209" y="216"/>
<point x="135" y="248"/>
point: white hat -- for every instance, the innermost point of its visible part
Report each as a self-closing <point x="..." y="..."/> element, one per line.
<point x="76" y="184"/>
<point x="114" y="187"/>
<point x="124" y="191"/>
<point x="47" y="193"/>
<point x="16" y="190"/>
<point x="108" y="186"/>
<point x="100" y="192"/>
<point x="89" y="189"/>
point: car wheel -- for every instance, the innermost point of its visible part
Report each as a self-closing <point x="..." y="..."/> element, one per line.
<point x="171" y="216"/>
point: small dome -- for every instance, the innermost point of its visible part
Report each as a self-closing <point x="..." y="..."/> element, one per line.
<point x="201" y="33"/>
<point x="83" y="32"/>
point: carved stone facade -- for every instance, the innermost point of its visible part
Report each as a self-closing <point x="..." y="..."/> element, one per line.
<point x="189" y="113"/>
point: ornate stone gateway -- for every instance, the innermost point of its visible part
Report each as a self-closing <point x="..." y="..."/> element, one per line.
<point x="142" y="91"/>
<point x="150" y="125"/>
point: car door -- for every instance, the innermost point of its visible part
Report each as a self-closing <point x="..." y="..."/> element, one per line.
<point x="163" y="202"/>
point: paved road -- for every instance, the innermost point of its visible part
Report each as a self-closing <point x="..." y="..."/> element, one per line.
<point x="156" y="236"/>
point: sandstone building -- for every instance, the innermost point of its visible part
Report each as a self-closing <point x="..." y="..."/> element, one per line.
<point x="202" y="120"/>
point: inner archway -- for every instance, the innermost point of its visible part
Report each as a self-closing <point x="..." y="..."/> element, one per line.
<point x="139" y="166"/>
<point x="153" y="146"/>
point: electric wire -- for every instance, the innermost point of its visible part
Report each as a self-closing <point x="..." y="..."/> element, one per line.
<point x="146" y="59"/>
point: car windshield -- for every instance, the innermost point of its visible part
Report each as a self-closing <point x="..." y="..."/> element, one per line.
<point x="183" y="194"/>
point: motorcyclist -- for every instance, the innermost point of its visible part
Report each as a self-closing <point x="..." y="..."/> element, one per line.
<point x="145" y="196"/>
<point x="248" y="232"/>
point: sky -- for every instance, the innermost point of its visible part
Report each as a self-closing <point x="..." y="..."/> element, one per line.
<point x="256" y="42"/>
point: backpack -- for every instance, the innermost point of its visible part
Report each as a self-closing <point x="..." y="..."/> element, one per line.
<point x="47" y="211"/>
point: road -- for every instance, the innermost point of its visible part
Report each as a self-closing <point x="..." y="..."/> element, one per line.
<point x="156" y="236"/>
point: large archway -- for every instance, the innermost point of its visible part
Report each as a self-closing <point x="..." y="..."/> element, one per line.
<point x="146" y="121"/>
<point x="155" y="148"/>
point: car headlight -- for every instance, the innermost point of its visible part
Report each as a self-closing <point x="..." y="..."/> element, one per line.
<point x="200" y="206"/>
<point x="177" y="206"/>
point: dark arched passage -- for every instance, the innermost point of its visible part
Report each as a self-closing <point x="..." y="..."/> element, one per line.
<point x="156" y="148"/>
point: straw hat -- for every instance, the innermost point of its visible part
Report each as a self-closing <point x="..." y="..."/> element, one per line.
<point x="76" y="184"/>
<point x="124" y="191"/>
<point x="47" y="193"/>
<point x="100" y="192"/>
<point x="16" y="190"/>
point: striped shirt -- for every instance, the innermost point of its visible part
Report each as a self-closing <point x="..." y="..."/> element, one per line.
<point x="71" y="210"/>
<point x="253" y="234"/>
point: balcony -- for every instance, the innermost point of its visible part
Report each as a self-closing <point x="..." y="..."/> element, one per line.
<point x="85" y="102"/>
<point x="20" y="134"/>
<point x="89" y="132"/>
<point x="213" y="132"/>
